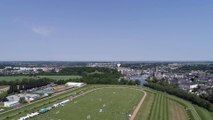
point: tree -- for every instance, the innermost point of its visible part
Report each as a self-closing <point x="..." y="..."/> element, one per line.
<point x="137" y="82"/>
<point x="22" y="100"/>
<point x="3" y="96"/>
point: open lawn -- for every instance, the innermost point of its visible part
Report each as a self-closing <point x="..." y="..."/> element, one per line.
<point x="104" y="104"/>
<point x="55" y="77"/>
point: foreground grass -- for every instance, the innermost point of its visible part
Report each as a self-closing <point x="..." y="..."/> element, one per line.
<point x="104" y="104"/>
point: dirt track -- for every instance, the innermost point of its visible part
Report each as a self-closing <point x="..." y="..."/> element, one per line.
<point x="138" y="107"/>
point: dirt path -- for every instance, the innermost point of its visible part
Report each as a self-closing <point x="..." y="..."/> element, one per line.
<point x="138" y="107"/>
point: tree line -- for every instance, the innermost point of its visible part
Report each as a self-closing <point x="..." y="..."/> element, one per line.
<point x="188" y="68"/>
<point x="24" y="84"/>
<point x="89" y="76"/>
<point x="94" y="75"/>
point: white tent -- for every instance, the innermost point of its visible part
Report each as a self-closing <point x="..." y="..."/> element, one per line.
<point x="74" y="84"/>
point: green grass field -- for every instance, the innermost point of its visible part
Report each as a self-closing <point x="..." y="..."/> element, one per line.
<point x="115" y="103"/>
<point x="10" y="78"/>
<point x="49" y="101"/>
<point x="161" y="106"/>
<point x="55" y="77"/>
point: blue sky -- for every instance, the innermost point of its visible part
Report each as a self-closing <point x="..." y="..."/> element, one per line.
<point x="90" y="30"/>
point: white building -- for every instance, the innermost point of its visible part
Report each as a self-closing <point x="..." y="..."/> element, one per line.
<point x="193" y="86"/>
<point x="74" y="84"/>
<point x="118" y="65"/>
<point x="11" y="103"/>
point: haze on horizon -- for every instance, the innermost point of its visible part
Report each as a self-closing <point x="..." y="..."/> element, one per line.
<point x="118" y="30"/>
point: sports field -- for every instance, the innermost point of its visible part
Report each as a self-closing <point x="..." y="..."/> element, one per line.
<point x="49" y="101"/>
<point x="55" y="77"/>
<point x="103" y="104"/>
<point x="113" y="103"/>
